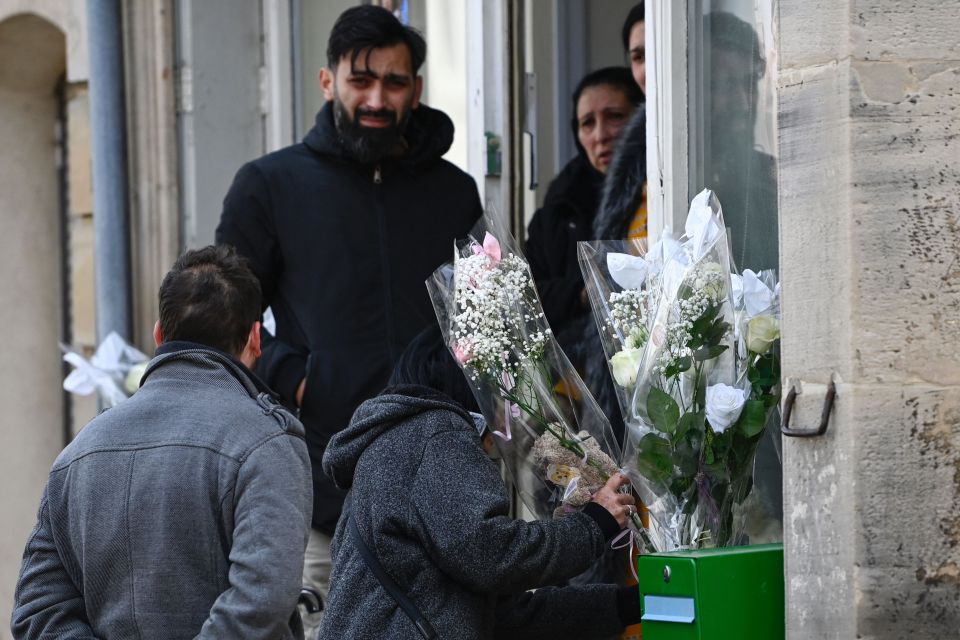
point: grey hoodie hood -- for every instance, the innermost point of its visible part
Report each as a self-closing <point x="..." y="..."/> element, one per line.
<point x="376" y="417"/>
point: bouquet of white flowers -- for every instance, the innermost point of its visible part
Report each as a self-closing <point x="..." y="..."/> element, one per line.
<point x="114" y="370"/>
<point x="556" y="443"/>
<point x="697" y="373"/>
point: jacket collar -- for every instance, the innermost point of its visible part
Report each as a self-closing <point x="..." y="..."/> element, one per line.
<point x="184" y="350"/>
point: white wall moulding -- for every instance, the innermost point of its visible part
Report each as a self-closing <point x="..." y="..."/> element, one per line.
<point x="152" y="143"/>
<point x="667" y="152"/>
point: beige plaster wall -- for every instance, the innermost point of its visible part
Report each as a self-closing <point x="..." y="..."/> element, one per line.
<point x="870" y="237"/>
<point x="33" y="54"/>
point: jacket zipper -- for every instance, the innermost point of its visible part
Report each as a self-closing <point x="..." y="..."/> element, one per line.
<point x="384" y="264"/>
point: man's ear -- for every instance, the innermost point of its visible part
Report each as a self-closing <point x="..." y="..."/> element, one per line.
<point x="157" y="334"/>
<point x="328" y="84"/>
<point x="253" y="340"/>
<point x="417" y="91"/>
<point x="251" y="350"/>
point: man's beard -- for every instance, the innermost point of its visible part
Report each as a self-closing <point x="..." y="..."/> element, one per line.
<point x="369" y="145"/>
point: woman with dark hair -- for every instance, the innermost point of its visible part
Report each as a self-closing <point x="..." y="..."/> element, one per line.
<point x="603" y="103"/>
<point x="429" y="508"/>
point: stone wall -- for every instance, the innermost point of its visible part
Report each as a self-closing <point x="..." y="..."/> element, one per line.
<point x="31" y="427"/>
<point x="870" y="240"/>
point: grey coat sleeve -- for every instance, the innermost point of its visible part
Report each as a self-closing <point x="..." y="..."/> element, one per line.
<point x="47" y="603"/>
<point x="272" y="505"/>
<point x="460" y="511"/>
<point x="577" y="611"/>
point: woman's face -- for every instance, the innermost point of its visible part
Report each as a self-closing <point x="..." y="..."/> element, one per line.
<point x="602" y="112"/>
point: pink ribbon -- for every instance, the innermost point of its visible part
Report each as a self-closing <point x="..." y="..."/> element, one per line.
<point x="509" y="409"/>
<point x="628" y="545"/>
<point x="491" y="247"/>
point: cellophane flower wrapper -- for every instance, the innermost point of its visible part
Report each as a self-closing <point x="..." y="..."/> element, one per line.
<point x="557" y="446"/>
<point x="621" y="281"/>
<point x="693" y="422"/>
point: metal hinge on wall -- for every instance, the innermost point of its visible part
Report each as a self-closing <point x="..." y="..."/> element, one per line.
<point x="788" y="404"/>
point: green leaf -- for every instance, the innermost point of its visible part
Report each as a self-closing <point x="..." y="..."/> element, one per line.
<point x="717" y="330"/>
<point x="690" y="420"/>
<point x="765" y="372"/>
<point x="663" y="410"/>
<point x="702" y="324"/>
<point x="674" y="370"/>
<point x="708" y="456"/>
<point x="717" y="471"/>
<point x="686" y="456"/>
<point x="708" y="353"/>
<point x="771" y="400"/>
<point x="653" y="458"/>
<point x="753" y="418"/>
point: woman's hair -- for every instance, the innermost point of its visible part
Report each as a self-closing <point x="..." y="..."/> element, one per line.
<point x="636" y="15"/>
<point x="619" y="78"/>
<point x="427" y="362"/>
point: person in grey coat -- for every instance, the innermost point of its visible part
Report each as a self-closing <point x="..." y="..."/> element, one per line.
<point x="430" y="503"/>
<point x="182" y="512"/>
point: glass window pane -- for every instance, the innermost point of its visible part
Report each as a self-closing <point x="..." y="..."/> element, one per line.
<point x="733" y="144"/>
<point x="732" y="110"/>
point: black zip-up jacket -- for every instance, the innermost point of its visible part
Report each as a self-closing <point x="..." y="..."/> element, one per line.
<point x="342" y="251"/>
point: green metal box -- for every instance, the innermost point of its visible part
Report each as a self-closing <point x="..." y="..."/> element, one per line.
<point x="734" y="593"/>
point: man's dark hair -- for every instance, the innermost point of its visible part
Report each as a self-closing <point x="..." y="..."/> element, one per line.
<point x="210" y="297"/>
<point x="730" y="33"/>
<point x="636" y="15"/>
<point x="368" y="27"/>
<point x="617" y="77"/>
<point x="427" y="362"/>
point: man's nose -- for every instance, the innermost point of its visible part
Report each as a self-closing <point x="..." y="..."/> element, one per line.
<point x="375" y="97"/>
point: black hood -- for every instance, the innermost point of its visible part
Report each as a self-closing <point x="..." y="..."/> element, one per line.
<point x="429" y="135"/>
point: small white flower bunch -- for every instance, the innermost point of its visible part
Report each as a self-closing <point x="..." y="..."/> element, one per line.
<point x="498" y="324"/>
<point x="704" y="289"/>
<point x="629" y="313"/>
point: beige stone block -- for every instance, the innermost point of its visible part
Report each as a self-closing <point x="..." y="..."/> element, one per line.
<point x="79" y="167"/>
<point x="892" y="29"/>
<point x="907" y="510"/>
<point x="813" y="32"/>
<point x="82" y="294"/>
<point x="870" y="514"/>
<point x="906" y="209"/>
<point x="820" y="477"/>
<point x="70" y="17"/>
<point x="814" y="226"/>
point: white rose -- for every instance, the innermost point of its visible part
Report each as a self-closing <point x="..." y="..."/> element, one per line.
<point x="132" y="381"/>
<point x="625" y="366"/>
<point x="762" y="332"/>
<point x="724" y="404"/>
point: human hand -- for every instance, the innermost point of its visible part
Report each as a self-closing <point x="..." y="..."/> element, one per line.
<point x="299" y="394"/>
<point x="621" y="506"/>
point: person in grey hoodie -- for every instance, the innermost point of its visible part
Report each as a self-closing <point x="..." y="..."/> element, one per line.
<point x="184" y="511"/>
<point x="431" y="505"/>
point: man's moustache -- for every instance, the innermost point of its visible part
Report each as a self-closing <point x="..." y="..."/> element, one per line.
<point x="380" y="114"/>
